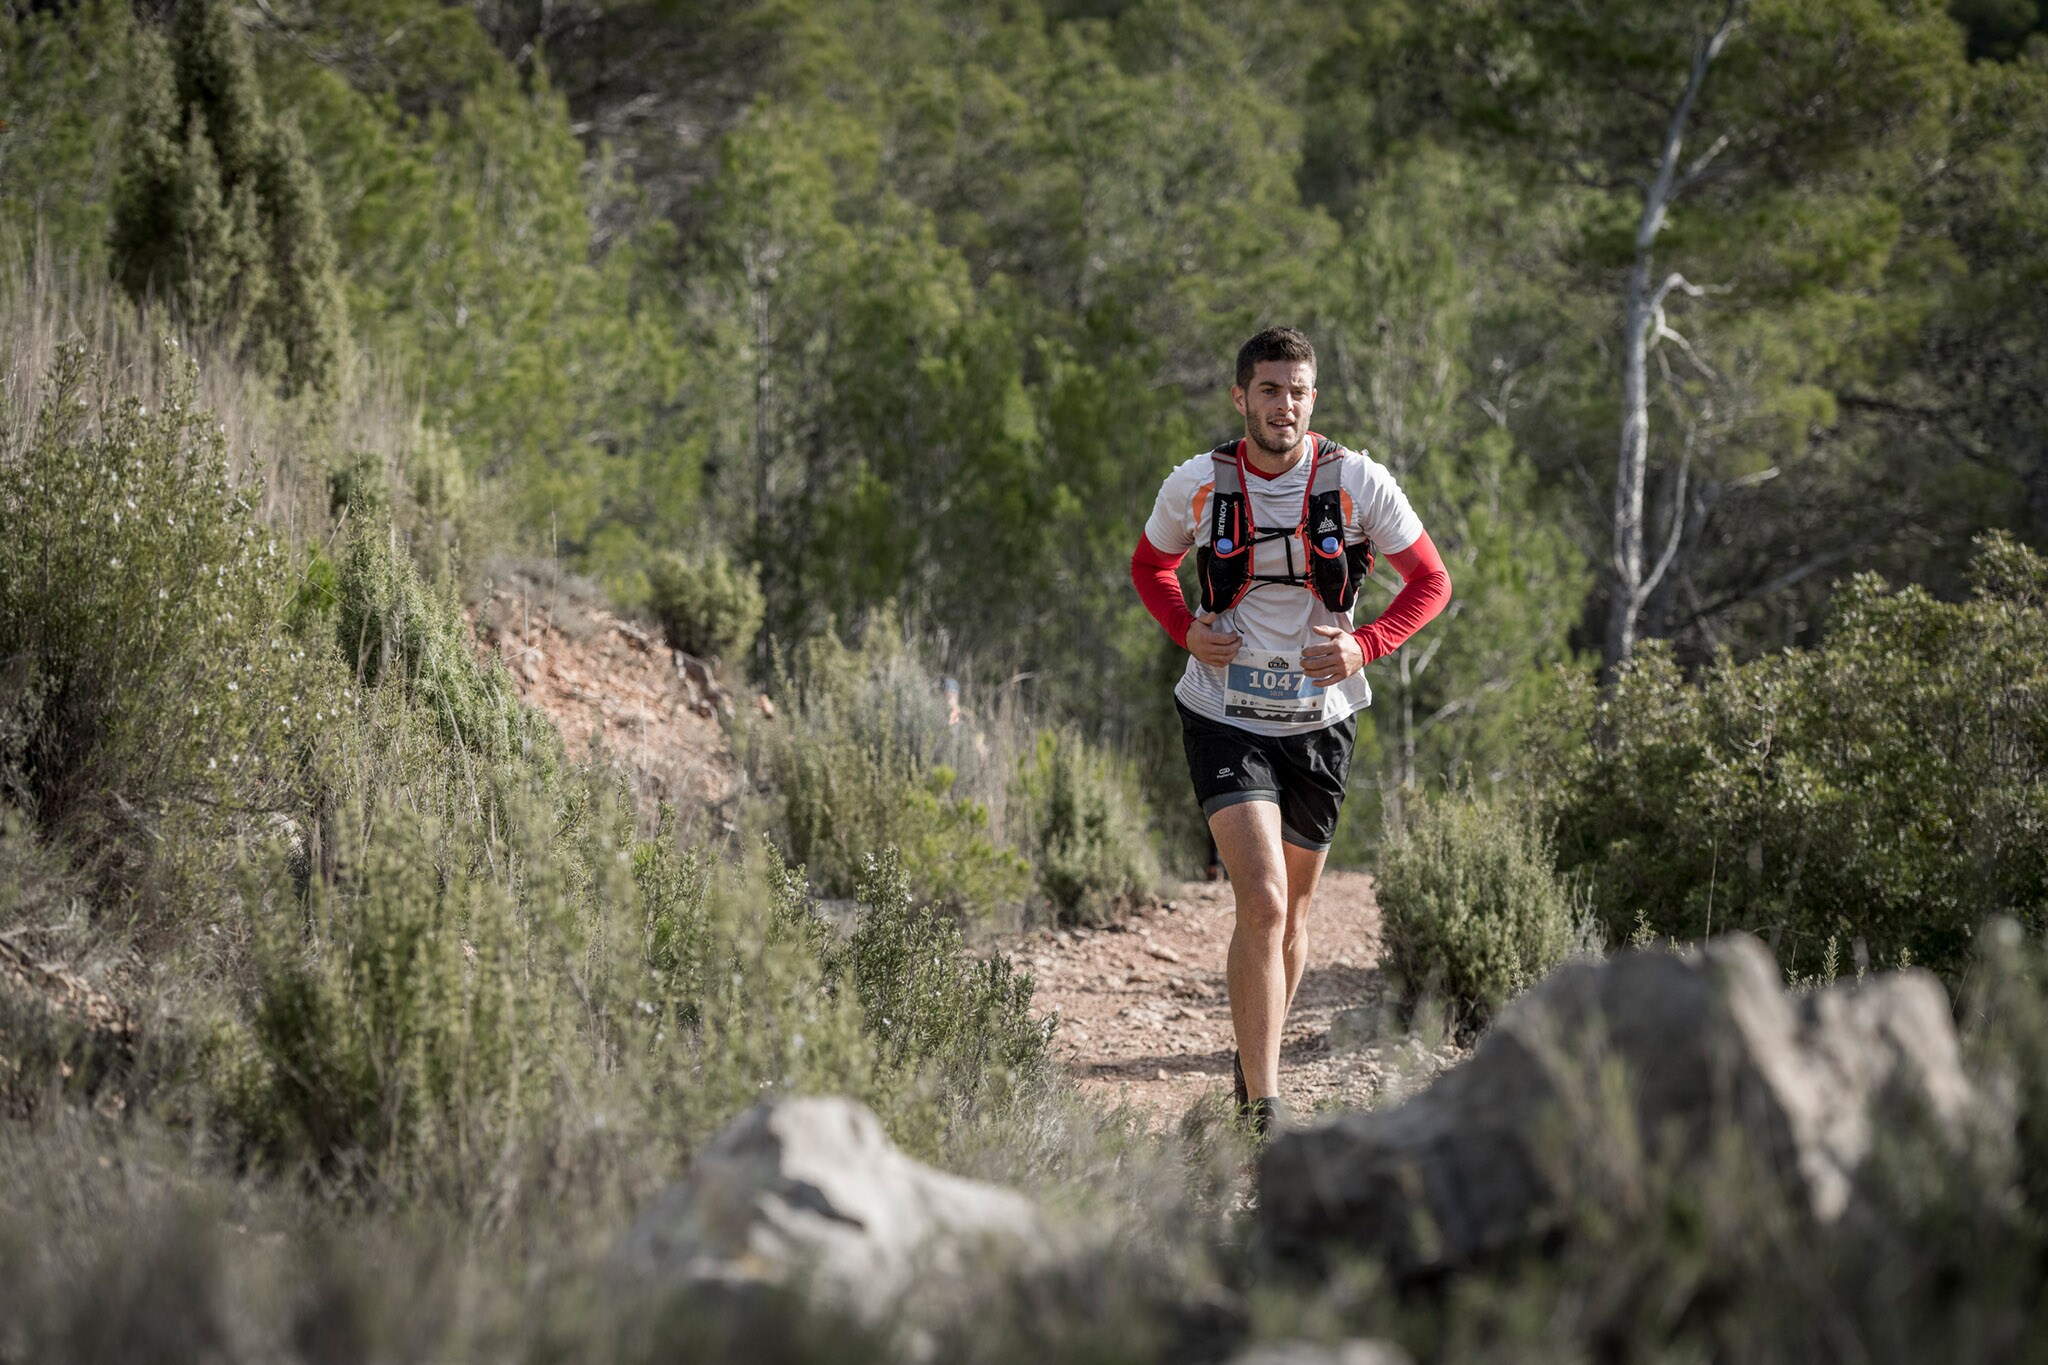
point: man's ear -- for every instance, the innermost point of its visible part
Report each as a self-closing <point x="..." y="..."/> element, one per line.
<point x="1237" y="400"/>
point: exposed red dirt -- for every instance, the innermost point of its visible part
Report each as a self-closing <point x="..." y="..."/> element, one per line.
<point x="608" y="684"/>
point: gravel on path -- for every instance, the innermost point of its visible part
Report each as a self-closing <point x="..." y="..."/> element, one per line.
<point x="1145" y="1017"/>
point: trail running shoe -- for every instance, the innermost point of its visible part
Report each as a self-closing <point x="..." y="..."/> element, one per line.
<point x="1241" y="1093"/>
<point x="1268" y="1116"/>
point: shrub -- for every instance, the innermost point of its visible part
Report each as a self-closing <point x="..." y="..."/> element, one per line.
<point x="463" y="1000"/>
<point x="927" y="1003"/>
<point x="1471" y="910"/>
<point x="406" y="1025"/>
<point x="707" y="605"/>
<point x="862" y="759"/>
<point x="155" y="696"/>
<point x="1891" y="784"/>
<point x="418" y="480"/>
<point x="1079" y="813"/>
<point x="391" y="628"/>
<point x="466" y="1006"/>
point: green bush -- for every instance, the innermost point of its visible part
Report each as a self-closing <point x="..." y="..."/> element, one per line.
<point x="1471" y="911"/>
<point x="707" y="605"/>
<point x="862" y="759"/>
<point x="155" y="697"/>
<point x="463" y="1005"/>
<point x="1079" y="813"/>
<point x="927" y="1003"/>
<point x="1890" y="784"/>
<point x="433" y="1029"/>
<point x="408" y="1026"/>
<point x="391" y="628"/>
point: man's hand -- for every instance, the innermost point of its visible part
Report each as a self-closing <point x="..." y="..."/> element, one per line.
<point x="1335" y="659"/>
<point x="1213" y="647"/>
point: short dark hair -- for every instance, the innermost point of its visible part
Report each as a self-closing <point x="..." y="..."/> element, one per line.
<point x="1275" y="343"/>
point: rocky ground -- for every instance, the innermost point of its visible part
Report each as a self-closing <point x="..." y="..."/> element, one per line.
<point x="611" y="685"/>
<point x="1144" y="1015"/>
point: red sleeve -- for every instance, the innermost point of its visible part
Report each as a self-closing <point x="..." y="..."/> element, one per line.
<point x="1425" y="587"/>
<point x="1152" y="574"/>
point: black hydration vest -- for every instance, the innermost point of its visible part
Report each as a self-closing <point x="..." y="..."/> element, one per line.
<point x="1327" y="566"/>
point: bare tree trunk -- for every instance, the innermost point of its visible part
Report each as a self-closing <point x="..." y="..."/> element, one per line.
<point x="1627" y="601"/>
<point x="1642" y="322"/>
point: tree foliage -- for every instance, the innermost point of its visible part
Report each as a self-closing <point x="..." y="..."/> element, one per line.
<point x="1889" y="786"/>
<point x="217" y="210"/>
<point x="706" y="604"/>
<point x="63" y="91"/>
<point x="913" y="306"/>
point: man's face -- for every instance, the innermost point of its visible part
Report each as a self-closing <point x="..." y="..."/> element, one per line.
<point x="1276" y="407"/>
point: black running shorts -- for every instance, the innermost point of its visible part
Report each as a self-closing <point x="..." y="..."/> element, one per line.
<point x="1303" y="773"/>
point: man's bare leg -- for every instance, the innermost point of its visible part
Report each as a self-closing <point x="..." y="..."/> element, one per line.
<point x="1304" y="870"/>
<point x="1248" y="838"/>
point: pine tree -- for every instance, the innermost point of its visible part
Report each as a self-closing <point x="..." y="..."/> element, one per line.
<point x="218" y="211"/>
<point x="304" y="316"/>
<point x="217" y="73"/>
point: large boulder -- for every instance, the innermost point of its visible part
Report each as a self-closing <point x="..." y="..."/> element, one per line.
<point x="812" y="1191"/>
<point x="1605" y="1073"/>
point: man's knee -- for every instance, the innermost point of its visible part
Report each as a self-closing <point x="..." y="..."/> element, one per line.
<point x="1262" y="907"/>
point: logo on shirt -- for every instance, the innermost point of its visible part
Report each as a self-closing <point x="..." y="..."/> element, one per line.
<point x="1223" y="772"/>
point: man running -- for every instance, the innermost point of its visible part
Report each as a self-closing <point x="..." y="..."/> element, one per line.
<point x="1282" y="523"/>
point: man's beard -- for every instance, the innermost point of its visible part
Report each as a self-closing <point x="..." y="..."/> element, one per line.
<point x="1258" y="432"/>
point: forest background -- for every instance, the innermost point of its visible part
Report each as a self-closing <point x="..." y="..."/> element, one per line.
<point x="345" y="1014"/>
<point x="911" y="307"/>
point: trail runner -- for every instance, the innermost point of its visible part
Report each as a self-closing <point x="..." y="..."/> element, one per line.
<point x="1283" y="523"/>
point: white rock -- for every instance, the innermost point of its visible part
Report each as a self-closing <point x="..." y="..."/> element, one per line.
<point x="1358" y="1352"/>
<point x="812" y="1190"/>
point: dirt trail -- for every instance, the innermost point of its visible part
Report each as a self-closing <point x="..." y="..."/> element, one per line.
<point x="1144" y="1014"/>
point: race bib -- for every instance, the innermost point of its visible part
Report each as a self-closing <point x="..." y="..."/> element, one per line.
<point x="1265" y="685"/>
